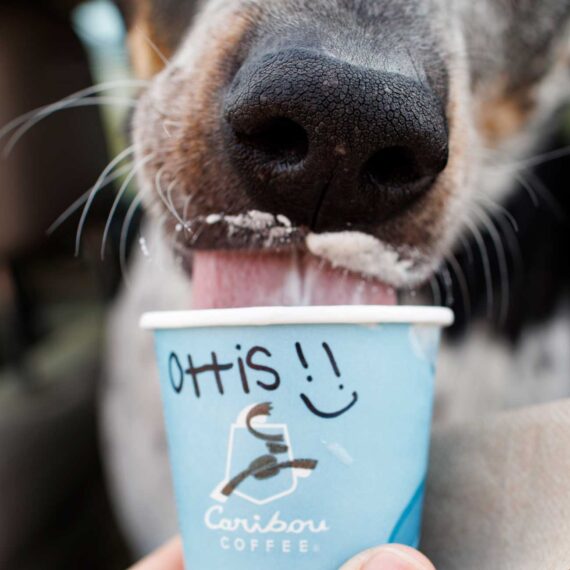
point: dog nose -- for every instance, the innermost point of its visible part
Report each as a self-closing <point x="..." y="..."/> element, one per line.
<point x="330" y="144"/>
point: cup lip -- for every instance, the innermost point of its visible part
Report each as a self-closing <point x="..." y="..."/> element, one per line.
<point x="309" y="315"/>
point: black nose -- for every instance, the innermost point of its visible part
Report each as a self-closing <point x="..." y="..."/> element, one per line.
<point x="329" y="144"/>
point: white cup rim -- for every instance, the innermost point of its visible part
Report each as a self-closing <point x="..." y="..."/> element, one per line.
<point x="311" y="315"/>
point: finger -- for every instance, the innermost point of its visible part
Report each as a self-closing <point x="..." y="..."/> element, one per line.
<point x="390" y="557"/>
<point x="168" y="557"/>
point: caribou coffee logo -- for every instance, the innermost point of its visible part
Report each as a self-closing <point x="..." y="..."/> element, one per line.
<point x="271" y="470"/>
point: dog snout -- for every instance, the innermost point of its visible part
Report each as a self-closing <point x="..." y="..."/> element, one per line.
<point x="330" y="144"/>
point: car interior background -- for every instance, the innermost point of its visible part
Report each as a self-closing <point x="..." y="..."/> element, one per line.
<point x="54" y="512"/>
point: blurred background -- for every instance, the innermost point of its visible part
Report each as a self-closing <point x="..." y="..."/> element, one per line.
<point x="54" y="510"/>
<point x="67" y="60"/>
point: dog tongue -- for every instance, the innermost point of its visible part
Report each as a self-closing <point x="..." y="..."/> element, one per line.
<point x="223" y="279"/>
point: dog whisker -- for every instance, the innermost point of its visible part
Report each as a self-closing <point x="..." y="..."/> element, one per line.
<point x="165" y="129"/>
<point x="543" y="192"/>
<point x="539" y="159"/>
<point x="435" y="291"/>
<point x="153" y="46"/>
<point x="486" y="265"/>
<point x="25" y="122"/>
<point x="83" y="198"/>
<point x="462" y="281"/>
<point x="133" y="207"/>
<point x="494" y="206"/>
<point x="85" y="102"/>
<point x="502" y="160"/>
<point x="448" y="284"/>
<point x="502" y="260"/>
<point x="169" y="198"/>
<point x="169" y="206"/>
<point x="197" y="234"/>
<point x="513" y="244"/>
<point x="187" y="223"/>
<point x="510" y="229"/>
<point x="108" y="86"/>
<point x="466" y="247"/>
<point x="118" y="197"/>
<point x="172" y="122"/>
<point x="95" y="189"/>
<point x="529" y="189"/>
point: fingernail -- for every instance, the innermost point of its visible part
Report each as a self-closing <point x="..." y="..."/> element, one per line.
<point x="398" y="558"/>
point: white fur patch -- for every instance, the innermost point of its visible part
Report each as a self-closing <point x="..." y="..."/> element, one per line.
<point x="365" y="254"/>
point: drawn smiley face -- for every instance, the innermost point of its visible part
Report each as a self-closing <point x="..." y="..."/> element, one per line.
<point x="307" y="401"/>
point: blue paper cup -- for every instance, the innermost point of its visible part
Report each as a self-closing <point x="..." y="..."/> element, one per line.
<point x="298" y="436"/>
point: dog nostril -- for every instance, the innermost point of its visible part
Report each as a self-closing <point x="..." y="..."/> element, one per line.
<point x="392" y="167"/>
<point x="306" y="140"/>
<point x="279" y="139"/>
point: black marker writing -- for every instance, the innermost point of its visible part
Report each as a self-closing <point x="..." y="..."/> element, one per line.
<point x="328" y="415"/>
<point x="266" y="466"/>
<point x="301" y="355"/>
<point x="331" y="358"/>
<point x="214" y="367"/>
<point x="309" y="404"/>
<point x="253" y="370"/>
<point x="243" y="375"/>
<point x="263" y="368"/>
<point x="176" y="375"/>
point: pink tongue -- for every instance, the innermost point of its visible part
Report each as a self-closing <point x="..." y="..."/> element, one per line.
<point x="223" y="279"/>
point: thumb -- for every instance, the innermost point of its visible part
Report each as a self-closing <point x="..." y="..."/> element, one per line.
<point x="390" y="557"/>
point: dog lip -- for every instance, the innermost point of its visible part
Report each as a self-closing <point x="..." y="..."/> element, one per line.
<point x="251" y="230"/>
<point x="333" y="268"/>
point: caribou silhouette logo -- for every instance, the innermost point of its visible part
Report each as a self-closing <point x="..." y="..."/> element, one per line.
<point x="275" y="459"/>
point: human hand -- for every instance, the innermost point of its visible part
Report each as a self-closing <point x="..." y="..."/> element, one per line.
<point x="168" y="557"/>
<point x="390" y="557"/>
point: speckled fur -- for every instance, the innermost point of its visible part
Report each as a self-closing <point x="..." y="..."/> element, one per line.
<point x="493" y="99"/>
<point x="506" y="69"/>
